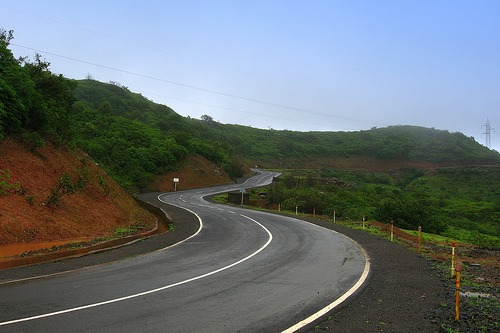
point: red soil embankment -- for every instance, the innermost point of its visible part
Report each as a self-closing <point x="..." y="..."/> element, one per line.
<point x="29" y="178"/>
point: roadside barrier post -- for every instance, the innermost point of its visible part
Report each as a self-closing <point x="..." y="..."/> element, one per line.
<point x="457" y="293"/>
<point x="296" y="210"/>
<point x="334" y="216"/>
<point x="363" y="222"/>
<point x="419" y="239"/>
<point x="314" y="212"/>
<point x="392" y="231"/>
<point x="279" y="207"/>
<point x="453" y="259"/>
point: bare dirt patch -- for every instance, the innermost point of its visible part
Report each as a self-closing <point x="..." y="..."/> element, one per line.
<point x="97" y="210"/>
<point x="195" y="172"/>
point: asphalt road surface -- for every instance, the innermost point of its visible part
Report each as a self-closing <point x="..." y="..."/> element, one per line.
<point x="242" y="271"/>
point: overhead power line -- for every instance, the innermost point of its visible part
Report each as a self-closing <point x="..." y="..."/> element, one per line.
<point x="211" y="91"/>
<point x="253" y="113"/>
<point x="176" y="54"/>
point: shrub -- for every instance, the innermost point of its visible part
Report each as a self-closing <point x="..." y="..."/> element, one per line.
<point x="5" y="186"/>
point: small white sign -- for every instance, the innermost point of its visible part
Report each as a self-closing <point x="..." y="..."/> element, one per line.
<point x="176" y="180"/>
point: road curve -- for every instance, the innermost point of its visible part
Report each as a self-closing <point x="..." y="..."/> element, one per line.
<point x="242" y="271"/>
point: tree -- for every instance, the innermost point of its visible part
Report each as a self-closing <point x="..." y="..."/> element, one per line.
<point x="31" y="97"/>
<point x="54" y="98"/>
<point x="6" y="36"/>
<point x="207" y="119"/>
<point x="17" y="94"/>
<point x="235" y="169"/>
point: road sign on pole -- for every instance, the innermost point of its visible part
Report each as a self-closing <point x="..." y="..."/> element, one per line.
<point x="176" y="180"/>
<point x="242" y="191"/>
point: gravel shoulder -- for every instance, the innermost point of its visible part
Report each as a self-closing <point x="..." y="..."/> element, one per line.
<point x="401" y="295"/>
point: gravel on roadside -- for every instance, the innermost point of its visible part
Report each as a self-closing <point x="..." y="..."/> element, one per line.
<point x="402" y="294"/>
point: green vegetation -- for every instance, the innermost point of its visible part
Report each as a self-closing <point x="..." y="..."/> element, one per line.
<point x="65" y="186"/>
<point x="131" y="230"/>
<point x="30" y="199"/>
<point x="5" y="185"/>
<point x="456" y="203"/>
<point x="135" y="139"/>
<point x="395" y="142"/>
<point x="477" y="313"/>
<point x="32" y="99"/>
<point x="430" y="238"/>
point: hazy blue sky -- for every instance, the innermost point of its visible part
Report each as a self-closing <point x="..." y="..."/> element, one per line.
<point x="297" y="65"/>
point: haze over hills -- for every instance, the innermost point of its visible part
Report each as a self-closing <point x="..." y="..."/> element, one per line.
<point x="135" y="139"/>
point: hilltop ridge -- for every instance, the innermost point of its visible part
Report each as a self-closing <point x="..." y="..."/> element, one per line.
<point x="108" y="120"/>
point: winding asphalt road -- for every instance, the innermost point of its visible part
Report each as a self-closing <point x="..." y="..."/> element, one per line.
<point x="242" y="271"/>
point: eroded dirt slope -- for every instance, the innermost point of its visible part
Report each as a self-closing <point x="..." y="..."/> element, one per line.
<point x="29" y="178"/>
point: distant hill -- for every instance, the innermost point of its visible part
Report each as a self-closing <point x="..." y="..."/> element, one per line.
<point x="136" y="139"/>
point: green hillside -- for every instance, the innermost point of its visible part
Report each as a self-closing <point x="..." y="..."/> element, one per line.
<point x="134" y="140"/>
<point x="109" y="112"/>
<point x="461" y="203"/>
<point x="400" y="142"/>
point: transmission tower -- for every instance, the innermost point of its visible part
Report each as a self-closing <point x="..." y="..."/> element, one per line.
<point x="487" y="132"/>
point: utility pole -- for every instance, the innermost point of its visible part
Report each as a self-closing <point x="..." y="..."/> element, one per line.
<point x="487" y="132"/>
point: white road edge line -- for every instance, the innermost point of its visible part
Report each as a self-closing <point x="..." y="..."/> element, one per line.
<point x="93" y="305"/>
<point x="88" y="267"/>
<point x="339" y="300"/>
